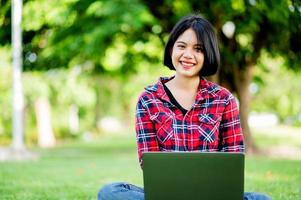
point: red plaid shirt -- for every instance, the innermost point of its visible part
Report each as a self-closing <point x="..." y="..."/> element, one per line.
<point x="212" y="124"/>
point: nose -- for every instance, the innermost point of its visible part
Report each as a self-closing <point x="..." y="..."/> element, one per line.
<point x="188" y="53"/>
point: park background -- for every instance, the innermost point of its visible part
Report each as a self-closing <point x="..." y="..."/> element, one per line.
<point x="86" y="62"/>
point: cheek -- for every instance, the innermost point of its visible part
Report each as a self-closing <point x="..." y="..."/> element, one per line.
<point x="175" y="54"/>
<point x="201" y="58"/>
<point x="174" y="58"/>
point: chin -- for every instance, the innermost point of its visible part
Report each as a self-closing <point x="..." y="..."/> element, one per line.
<point x="188" y="75"/>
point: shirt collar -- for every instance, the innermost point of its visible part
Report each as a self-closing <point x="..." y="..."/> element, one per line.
<point x="205" y="89"/>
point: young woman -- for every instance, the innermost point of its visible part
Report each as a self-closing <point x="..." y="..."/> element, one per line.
<point x="185" y="112"/>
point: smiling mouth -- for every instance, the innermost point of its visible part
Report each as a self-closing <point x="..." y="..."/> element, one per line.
<point x="187" y="65"/>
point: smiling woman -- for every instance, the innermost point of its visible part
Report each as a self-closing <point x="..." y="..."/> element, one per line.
<point x="201" y="35"/>
<point x="185" y="112"/>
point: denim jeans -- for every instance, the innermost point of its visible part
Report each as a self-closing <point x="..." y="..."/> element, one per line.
<point x="126" y="191"/>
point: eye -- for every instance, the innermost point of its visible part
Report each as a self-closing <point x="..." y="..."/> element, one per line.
<point x="180" y="46"/>
<point x="199" y="49"/>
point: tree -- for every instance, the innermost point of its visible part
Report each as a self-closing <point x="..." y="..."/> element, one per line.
<point x="18" y="97"/>
<point x="92" y="34"/>
<point x="255" y="24"/>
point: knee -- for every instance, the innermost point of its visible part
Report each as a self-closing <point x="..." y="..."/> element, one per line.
<point x="265" y="197"/>
<point x="106" y="191"/>
<point x="256" y="196"/>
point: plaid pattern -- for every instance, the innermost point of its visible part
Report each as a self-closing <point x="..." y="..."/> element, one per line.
<point x="212" y="124"/>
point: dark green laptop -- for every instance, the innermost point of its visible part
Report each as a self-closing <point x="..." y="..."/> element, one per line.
<point x="193" y="176"/>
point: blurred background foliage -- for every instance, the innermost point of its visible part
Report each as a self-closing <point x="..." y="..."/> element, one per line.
<point x="276" y="89"/>
<point x="95" y="57"/>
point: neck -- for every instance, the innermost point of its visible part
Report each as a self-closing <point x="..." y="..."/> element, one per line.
<point x="186" y="83"/>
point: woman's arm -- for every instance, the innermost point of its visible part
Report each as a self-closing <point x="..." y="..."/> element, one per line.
<point x="145" y="131"/>
<point x="230" y="129"/>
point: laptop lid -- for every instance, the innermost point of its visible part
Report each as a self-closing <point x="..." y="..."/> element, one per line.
<point x="193" y="175"/>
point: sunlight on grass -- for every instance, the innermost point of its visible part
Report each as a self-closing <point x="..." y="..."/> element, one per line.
<point x="77" y="170"/>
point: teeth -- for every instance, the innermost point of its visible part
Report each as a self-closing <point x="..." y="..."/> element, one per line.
<point x="187" y="64"/>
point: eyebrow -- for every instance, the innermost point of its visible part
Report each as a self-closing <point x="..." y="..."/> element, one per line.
<point x="181" y="42"/>
<point x="200" y="45"/>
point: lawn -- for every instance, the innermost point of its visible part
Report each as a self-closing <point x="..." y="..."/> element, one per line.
<point x="77" y="170"/>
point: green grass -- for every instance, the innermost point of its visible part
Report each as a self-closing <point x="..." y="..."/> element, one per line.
<point x="279" y="178"/>
<point x="277" y="136"/>
<point x="71" y="171"/>
<point x="78" y="170"/>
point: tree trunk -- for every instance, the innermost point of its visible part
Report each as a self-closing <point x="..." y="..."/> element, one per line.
<point x="45" y="134"/>
<point x="73" y="120"/>
<point x="98" y="106"/>
<point x="18" y="97"/>
<point x="242" y="80"/>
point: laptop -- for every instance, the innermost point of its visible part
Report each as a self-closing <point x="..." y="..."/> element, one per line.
<point x="193" y="175"/>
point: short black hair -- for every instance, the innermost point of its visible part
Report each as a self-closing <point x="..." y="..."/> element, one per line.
<point x="205" y="36"/>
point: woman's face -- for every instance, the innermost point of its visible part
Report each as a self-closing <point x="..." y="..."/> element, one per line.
<point x="187" y="55"/>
